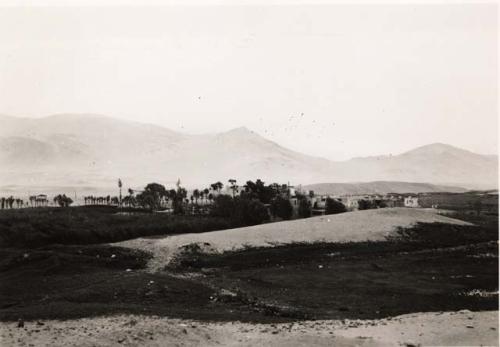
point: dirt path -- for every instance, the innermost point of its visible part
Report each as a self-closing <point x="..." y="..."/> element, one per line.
<point x="444" y="329"/>
<point x="367" y="225"/>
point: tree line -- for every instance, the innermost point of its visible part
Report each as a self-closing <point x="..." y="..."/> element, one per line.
<point x="253" y="203"/>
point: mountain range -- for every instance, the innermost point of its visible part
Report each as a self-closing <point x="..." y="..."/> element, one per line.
<point x="379" y="187"/>
<point x="79" y="150"/>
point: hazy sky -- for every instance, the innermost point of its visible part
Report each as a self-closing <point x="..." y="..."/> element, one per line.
<point x="331" y="80"/>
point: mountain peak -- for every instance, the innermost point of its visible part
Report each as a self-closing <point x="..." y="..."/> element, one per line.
<point x="437" y="148"/>
<point x="240" y="130"/>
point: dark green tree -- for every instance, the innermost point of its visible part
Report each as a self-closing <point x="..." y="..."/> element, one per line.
<point x="365" y="204"/>
<point x="333" y="206"/>
<point x="63" y="200"/>
<point x="151" y="196"/>
<point x="305" y="210"/>
<point x="281" y="207"/>
<point x="223" y="206"/>
<point x="250" y="211"/>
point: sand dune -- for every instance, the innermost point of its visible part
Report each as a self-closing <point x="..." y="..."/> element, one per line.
<point x="368" y="225"/>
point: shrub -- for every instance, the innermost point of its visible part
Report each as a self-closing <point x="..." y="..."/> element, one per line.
<point x="365" y="205"/>
<point x="333" y="206"/>
<point x="281" y="207"/>
<point x="85" y="225"/>
<point x="304" y="208"/>
<point x="250" y="211"/>
<point x="223" y="206"/>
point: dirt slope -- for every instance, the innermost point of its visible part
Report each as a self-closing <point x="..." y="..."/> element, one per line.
<point x="368" y="225"/>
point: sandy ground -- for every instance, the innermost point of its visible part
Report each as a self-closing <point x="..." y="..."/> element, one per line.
<point x="367" y="225"/>
<point x="463" y="328"/>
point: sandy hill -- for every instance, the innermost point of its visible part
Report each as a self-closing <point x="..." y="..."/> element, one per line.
<point x="92" y="151"/>
<point x="367" y="225"/>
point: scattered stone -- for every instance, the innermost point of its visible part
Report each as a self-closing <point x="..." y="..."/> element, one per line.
<point x="470" y="326"/>
<point x="128" y="270"/>
<point x="113" y="255"/>
<point x="20" y="323"/>
<point x="40" y="323"/>
<point x="184" y="331"/>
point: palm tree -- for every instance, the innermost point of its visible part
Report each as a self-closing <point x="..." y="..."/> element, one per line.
<point x="217" y="186"/>
<point x="196" y="195"/>
<point x="120" y="187"/>
<point x="234" y="187"/>
<point x="115" y="201"/>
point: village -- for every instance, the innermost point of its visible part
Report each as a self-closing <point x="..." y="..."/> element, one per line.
<point x="300" y="202"/>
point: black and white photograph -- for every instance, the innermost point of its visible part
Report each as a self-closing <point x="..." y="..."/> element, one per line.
<point x="249" y="173"/>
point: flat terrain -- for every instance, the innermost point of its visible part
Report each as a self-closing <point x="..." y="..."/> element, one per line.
<point x="363" y="289"/>
<point x="462" y="328"/>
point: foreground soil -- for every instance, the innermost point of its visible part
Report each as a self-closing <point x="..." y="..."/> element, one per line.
<point x="462" y="328"/>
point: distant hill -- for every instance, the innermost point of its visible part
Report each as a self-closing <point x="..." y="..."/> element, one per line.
<point x="75" y="150"/>
<point x="379" y="187"/>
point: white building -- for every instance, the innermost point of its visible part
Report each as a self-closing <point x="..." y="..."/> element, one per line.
<point x="411" y="201"/>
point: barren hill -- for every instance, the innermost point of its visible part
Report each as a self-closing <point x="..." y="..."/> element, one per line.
<point x="92" y="150"/>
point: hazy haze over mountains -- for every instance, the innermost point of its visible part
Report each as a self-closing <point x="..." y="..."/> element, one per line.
<point x="379" y="187"/>
<point x="93" y="151"/>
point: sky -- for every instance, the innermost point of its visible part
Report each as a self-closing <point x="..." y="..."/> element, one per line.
<point x="330" y="80"/>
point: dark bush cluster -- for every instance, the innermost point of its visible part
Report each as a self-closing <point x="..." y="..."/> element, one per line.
<point x="333" y="206"/>
<point x="240" y="211"/>
<point x="86" y="225"/>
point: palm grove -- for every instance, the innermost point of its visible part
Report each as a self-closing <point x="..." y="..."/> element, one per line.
<point x="253" y="203"/>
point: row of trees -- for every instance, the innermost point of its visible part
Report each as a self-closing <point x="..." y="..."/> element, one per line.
<point x="101" y="200"/>
<point x="10" y="201"/>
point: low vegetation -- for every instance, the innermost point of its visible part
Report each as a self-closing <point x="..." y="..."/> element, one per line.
<point x="431" y="267"/>
<point x="449" y="265"/>
<point x="85" y="225"/>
